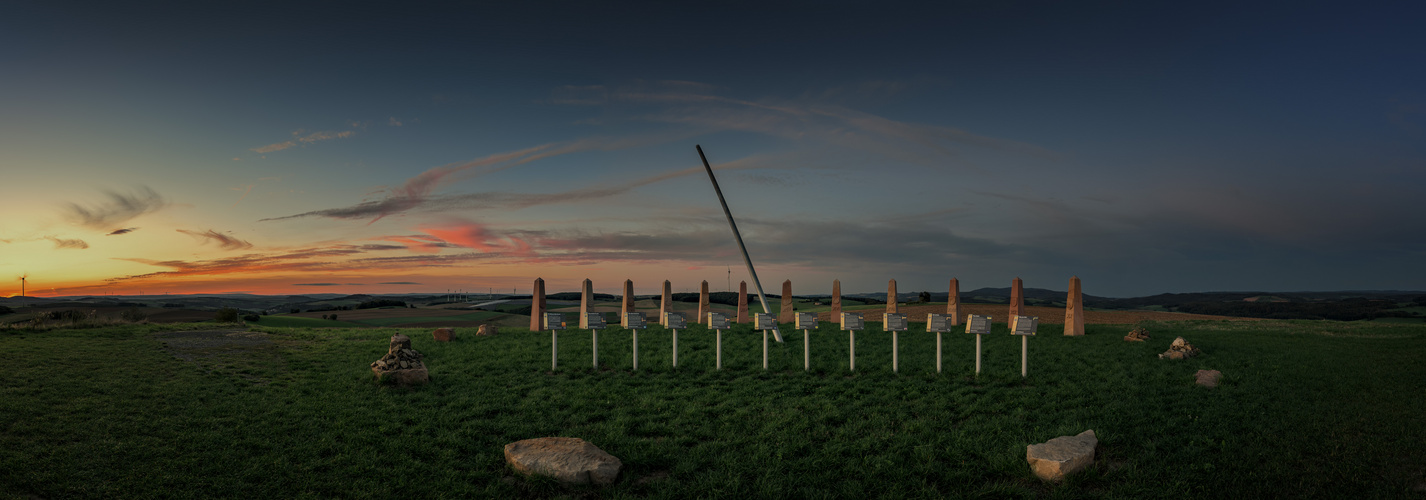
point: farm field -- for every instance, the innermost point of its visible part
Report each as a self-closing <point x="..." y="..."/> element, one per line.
<point x="1307" y="410"/>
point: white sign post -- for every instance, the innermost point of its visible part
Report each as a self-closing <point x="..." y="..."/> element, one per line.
<point x="1025" y="327"/>
<point x="851" y="322"/>
<point x="765" y="322"/>
<point x="806" y="322"/>
<point x="938" y="323"/>
<point x="634" y="321"/>
<point x="893" y="322"/>
<point x="718" y="322"/>
<point x="595" y="321"/>
<point x="674" y="321"/>
<point x="555" y="322"/>
<point x="978" y="325"/>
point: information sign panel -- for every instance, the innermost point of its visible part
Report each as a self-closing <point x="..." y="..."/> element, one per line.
<point x="1025" y="325"/>
<point x="674" y="321"/>
<point x="852" y="321"/>
<point x="893" y="322"/>
<point x="977" y="324"/>
<point x="717" y="321"/>
<point x="554" y="321"/>
<point x="595" y="320"/>
<point x="634" y="321"/>
<point x="806" y="321"/>
<point x="764" y="321"/>
<point x="938" y="322"/>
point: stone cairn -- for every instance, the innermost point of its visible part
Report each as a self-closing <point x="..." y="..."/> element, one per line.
<point x="401" y="363"/>
<point x="1139" y="334"/>
<point x="1180" y="349"/>
<point x="486" y="330"/>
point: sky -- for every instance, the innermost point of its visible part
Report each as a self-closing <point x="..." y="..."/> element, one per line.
<point x="348" y="147"/>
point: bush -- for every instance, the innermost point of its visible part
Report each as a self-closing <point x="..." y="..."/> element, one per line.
<point x="134" y="315"/>
<point x="226" y="315"/>
<point x="373" y="304"/>
<point x="173" y="306"/>
<point x="252" y="317"/>
<point x="6" y="310"/>
<point x="295" y="311"/>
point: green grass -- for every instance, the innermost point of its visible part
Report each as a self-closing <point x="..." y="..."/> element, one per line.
<point x="1306" y="410"/>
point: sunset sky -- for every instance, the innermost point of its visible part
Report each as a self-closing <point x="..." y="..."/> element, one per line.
<point x="1146" y="147"/>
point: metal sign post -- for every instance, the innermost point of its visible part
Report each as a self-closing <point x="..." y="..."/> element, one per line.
<point x="1025" y="327"/>
<point x="554" y="322"/>
<point x="938" y="323"/>
<point x="851" y="322"/>
<point x="674" y="321"/>
<point x="893" y="322"/>
<point x="978" y="325"/>
<point x="634" y="321"/>
<point x="595" y="321"/>
<point x="806" y="321"/>
<point x="765" y="322"/>
<point x="718" y="322"/>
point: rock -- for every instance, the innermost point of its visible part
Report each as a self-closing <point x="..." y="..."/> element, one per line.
<point x="1208" y="378"/>
<point x="1061" y="456"/>
<point x="1139" y="334"/>
<point x="486" y="330"/>
<point x="1180" y="349"/>
<point x="401" y="364"/>
<point x="569" y="460"/>
<point x="444" y="334"/>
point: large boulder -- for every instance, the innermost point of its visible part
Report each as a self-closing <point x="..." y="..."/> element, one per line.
<point x="401" y="365"/>
<point x="569" y="460"/>
<point x="444" y="334"/>
<point x="1208" y="378"/>
<point x="1054" y="459"/>
<point x="486" y="330"/>
<point x="1180" y="349"/>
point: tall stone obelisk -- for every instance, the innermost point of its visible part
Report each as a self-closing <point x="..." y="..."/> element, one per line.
<point x="586" y="302"/>
<point x="836" y="301"/>
<point x="953" y="302"/>
<point x="537" y="305"/>
<point x="703" y="304"/>
<point x="1017" y="300"/>
<point x="784" y="314"/>
<point x="891" y="297"/>
<point x="666" y="303"/>
<point x="742" y="302"/>
<point x="1074" y="309"/>
<point x="628" y="306"/>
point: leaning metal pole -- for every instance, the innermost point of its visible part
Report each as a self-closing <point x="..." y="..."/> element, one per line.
<point x="748" y="260"/>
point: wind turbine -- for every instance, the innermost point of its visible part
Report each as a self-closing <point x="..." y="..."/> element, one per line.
<point x="23" y="277"/>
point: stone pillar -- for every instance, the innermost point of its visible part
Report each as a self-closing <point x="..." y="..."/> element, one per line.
<point x="1074" y="309"/>
<point x="537" y="305"/>
<point x="784" y="315"/>
<point x="667" y="303"/>
<point x="628" y="303"/>
<point x="891" y="297"/>
<point x="1017" y="300"/>
<point x="836" y="300"/>
<point x="742" y="302"/>
<point x="703" y="302"/>
<point x="586" y="302"/>
<point x="953" y="302"/>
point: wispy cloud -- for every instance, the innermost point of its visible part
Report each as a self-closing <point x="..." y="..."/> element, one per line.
<point x="126" y="230"/>
<point x="223" y="240"/>
<point x="323" y="136"/>
<point x="116" y="209"/>
<point x="394" y="122"/>
<point x="477" y="237"/>
<point x="399" y="283"/>
<point x="60" y="243"/>
<point x="316" y="284"/>
<point x="276" y="146"/>
<point x="325" y="259"/>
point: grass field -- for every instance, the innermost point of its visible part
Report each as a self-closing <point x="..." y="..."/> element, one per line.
<point x="1306" y="410"/>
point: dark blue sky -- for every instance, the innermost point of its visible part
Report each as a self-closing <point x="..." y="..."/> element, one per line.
<point x="1146" y="147"/>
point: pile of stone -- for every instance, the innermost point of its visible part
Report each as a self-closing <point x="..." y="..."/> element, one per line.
<point x="1139" y="334"/>
<point x="401" y="364"/>
<point x="486" y="330"/>
<point x="444" y="334"/>
<point x="1059" y="457"/>
<point x="1180" y="349"/>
